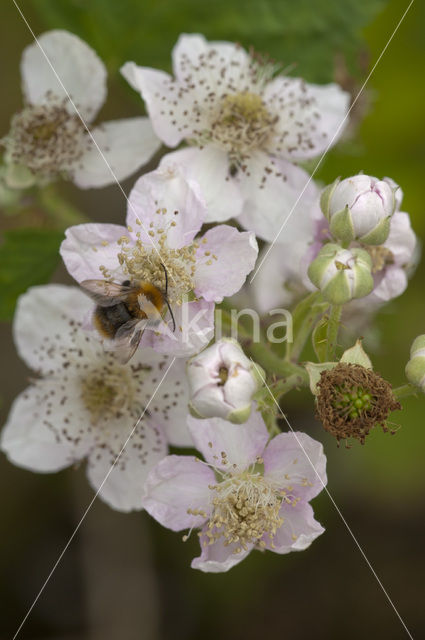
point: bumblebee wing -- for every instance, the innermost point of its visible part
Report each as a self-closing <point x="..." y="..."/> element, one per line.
<point x="104" y="293"/>
<point x="127" y="339"/>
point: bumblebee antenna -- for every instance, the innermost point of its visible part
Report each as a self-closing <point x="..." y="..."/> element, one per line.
<point x="171" y="313"/>
<point x="166" y="297"/>
<point x="166" y="279"/>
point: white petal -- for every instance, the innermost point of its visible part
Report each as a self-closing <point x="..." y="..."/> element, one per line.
<point x="176" y="484"/>
<point x="126" y="145"/>
<point x="194" y="330"/>
<point x="210" y="168"/>
<point x="287" y="191"/>
<point x="296" y="460"/>
<point x="242" y="444"/>
<point x="45" y="324"/>
<point x="217" y="557"/>
<point x="166" y="200"/>
<point x="123" y="487"/>
<point x="164" y="106"/>
<point x="169" y="399"/>
<point x="224" y="259"/>
<point x="195" y="57"/>
<point x="45" y="430"/>
<point x="79" y="68"/>
<point x="89" y="246"/>
<point x="299" y="529"/>
<point x="311" y="117"/>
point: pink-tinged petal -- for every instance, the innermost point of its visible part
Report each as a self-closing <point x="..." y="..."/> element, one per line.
<point x="311" y="117"/>
<point x="46" y="428"/>
<point x="218" y="558"/>
<point x="164" y="103"/>
<point x="87" y="247"/>
<point x="195" y="57"/>
<point x="169" y="399"/>
<point x="402" y="239"/>
<point x="391" y="285"/>
<point x="45" y="323"/>
<point x="298" y="530"/>
<point x="125" y="146"/>
<point x="296" y="461"/>
<point x="166" y="201"/>
<point x="286" y="192"/>
<point x="242" y="444"/>
<point x="176" y="484"/>
<point x="79" y="68"/>
<point x="194" y="330"/>
<point x="123" y="487"/>
<point x="223" y="261"/>
<point x="209" y="167"/>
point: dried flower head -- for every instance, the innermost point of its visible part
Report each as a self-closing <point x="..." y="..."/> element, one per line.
<point x="352" y="400"/>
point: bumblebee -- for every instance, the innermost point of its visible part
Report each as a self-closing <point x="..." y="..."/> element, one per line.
<point x="123" y="311"/>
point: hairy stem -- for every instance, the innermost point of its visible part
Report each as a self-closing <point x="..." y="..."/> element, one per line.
<point x="332" y="334"/>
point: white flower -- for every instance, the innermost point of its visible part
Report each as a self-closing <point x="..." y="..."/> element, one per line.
<point x="222" y="382"/>
<point x="164" y="216"/>
<point x="83" y="404"/>
<point x="360" y="208"/>
<point x="253" y="493"/>
<point x="245" y="127"/>
<point x="47" y="138"/>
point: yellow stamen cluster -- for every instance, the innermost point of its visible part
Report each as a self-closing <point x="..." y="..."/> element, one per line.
<point x="242" y="123"/>
<point x="107" y="393"/>
<point x="246" y="508"/>
<point x="46" y="138"/>
<point x="381" y="257"/>
<point x="141" y="261"/>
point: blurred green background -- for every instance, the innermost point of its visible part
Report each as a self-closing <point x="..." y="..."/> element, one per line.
<point x="125" y="577"/>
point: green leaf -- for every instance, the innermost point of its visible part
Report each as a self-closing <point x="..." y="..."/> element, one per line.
<point x="27" y="257"/>
<point x="308" y="35"/>
<point x="319" y="339"/>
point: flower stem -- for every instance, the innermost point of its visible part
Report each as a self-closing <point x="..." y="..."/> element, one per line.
<point x="284" y="385"/>
<point x="405" y="390"/>
<point x="332" y="333"/>
<point x="60" y="210"/>
<point x="274" y="364"/>
<point x="295" y="350"/>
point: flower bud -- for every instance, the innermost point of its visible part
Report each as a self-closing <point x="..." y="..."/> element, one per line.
<point x="222" y="382"/>
<point x="341" y="274"/>
<point x="360" y="208"/>
<point x="415" y="368"/>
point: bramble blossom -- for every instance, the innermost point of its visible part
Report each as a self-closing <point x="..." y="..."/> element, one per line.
<point x="48" y="138"/>
<point x="164" y="216"/>
<point x="222" y="382"/>
<point x="245" y="127"/>
<point x="249" y="494"/>
<point x="83" y="404"/>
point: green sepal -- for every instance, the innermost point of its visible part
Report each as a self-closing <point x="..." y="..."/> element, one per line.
<point x="326" y="195"/>
<point x="341" y="226"/>
<point x="379" y="234"/>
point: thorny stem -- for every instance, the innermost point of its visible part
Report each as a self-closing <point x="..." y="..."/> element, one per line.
<point x="405" y="390"/>
<point x="332" y="334"/>
<point x="284" y="385"/>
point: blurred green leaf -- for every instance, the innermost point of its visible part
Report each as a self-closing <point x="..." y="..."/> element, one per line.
<point x="27" y="257"/>
<point x="306" y="33"/>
